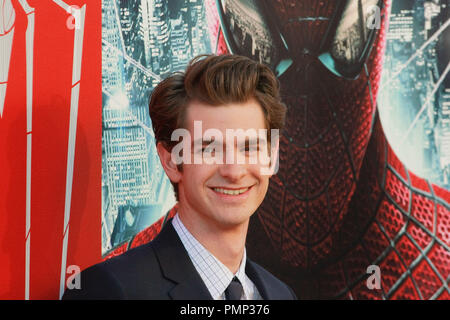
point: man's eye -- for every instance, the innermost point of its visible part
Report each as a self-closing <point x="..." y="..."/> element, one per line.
<point x="251" y="148"/>
<point x="207" y="150"/>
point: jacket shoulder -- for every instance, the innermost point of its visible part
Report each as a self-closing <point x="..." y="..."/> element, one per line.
<point x="127" y="276"/>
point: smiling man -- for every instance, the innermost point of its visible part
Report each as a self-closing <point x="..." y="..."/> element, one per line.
<point x="221" y="105"/>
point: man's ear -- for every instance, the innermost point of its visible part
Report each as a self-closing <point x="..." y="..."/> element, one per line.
<point x="169" y="166"/>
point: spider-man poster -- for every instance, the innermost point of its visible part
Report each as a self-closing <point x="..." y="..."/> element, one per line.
<point x="360" y="206"/>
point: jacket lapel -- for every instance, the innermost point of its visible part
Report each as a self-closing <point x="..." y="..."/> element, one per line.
<point x="268" y="286"/>
<point x="254" y="275"/>
<point x="177" y="266"/>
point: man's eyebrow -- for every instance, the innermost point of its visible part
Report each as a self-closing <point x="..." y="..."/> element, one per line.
<point x="202" y="142"/>
<point x="248" y="140"/>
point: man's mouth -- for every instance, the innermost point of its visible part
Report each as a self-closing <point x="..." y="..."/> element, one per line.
<point x="233" y="192"/>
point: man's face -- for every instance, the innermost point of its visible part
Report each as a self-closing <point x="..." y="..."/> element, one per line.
<point x="224" y="194"/>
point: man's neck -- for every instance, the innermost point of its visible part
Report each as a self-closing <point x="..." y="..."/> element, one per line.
<point x="226" y="244"/>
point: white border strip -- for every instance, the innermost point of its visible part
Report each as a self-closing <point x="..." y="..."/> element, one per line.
<point x="76" y="72"/>
<point x="29" y="47"/>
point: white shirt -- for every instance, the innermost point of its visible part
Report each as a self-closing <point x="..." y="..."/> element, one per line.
<point x="214" y="273"/>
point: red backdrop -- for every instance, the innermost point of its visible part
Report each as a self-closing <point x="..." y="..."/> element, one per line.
<point x="52" y="83"/>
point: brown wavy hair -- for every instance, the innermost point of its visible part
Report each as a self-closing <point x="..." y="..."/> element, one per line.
<point x="214" y="80"/>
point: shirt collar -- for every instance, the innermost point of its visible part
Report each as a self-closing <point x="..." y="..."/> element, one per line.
<point x="214" y="273"/>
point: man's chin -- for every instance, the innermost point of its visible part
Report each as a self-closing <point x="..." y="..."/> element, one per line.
<point x="229" y="220"/>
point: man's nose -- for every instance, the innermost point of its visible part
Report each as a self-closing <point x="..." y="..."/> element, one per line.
<point x="233" y="172"/>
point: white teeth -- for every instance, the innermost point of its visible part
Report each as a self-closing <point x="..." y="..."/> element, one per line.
<point x="230" y="192"/>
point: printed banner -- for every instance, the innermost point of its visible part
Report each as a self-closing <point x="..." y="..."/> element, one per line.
<point x="360" y="205"/>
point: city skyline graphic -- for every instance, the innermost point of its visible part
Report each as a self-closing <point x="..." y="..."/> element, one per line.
<point x="143" y="41"/>
<point x="414" y="97"/>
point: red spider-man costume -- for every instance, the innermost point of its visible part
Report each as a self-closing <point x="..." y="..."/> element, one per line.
<point x="342" y="200"/>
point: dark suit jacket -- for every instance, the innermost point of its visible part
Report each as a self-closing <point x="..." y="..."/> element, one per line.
<point x="161" y="270"/>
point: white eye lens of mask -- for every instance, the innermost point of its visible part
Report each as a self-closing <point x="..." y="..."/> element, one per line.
<point x="249" y="32"/>
<point x="353" y="37"/>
